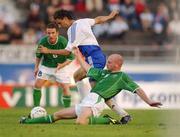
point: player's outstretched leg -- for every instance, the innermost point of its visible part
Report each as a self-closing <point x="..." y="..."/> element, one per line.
<point x="99" y="120"/>
<point x="86" y="117"/>
<point x="46" y="119"/>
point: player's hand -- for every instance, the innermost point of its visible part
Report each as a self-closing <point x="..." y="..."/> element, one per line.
<point x="155" y="104"/>
<point x="75" y="51"/>
<point x="43" y="49"/>
<point x="113" y="13"/>
<point x="59" y="67"/>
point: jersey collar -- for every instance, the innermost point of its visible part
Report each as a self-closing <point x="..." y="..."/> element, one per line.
<point x="54" y="43"/>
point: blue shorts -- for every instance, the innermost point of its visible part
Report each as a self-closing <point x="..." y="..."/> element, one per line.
<point x="93" y="55"/>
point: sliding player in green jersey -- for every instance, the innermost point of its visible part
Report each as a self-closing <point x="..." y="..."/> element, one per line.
<point x="109" y="83"/>
<point x="46" y="65"/>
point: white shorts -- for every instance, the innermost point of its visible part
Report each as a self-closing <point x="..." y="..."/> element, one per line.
<point x="92" y="100"/>
<point x="61" y="76"/>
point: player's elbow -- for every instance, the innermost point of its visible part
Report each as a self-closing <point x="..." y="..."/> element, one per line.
<point x="98" y="21"/>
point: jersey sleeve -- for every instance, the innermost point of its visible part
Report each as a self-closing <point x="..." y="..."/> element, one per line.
<point x="69" y="46"/>
<point x="94" y="73"/>
<point x="63" y="41"/>
<point x="91" y="22"/>
<point x="130" y="84"/>
<point x="65" y="44"/>
<point x="76" y="35"/>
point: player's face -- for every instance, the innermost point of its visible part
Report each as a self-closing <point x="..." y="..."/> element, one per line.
<point x="52" y="34"/>
<point x="110" y="63"/>
<point x="62" y="22"/>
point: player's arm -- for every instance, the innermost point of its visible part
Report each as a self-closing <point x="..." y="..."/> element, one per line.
<point x="140" y="92"/>
<point x="36" y="67"/>
<point x="102" y="19"/>
<point x="81" y="61"/>
<point x="133" y="87"/>
<point x="61" y="65"/>
<point x="45" y="50"/>
<point x="38" y="59"/>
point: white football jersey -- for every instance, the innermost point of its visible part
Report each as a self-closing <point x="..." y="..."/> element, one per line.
<point x="80" y="33"/>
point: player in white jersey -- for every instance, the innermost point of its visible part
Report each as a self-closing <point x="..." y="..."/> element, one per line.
<point x="80" y="35"/>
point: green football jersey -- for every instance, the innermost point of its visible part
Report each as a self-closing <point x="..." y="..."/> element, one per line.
<point x="52" y="60"/>
<point x="109" y="84"/>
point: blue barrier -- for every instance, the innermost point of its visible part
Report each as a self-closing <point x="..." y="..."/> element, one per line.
<point x="24" y="72"/>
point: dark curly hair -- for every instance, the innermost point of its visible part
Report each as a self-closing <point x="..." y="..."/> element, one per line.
<point x="60" y="14"/>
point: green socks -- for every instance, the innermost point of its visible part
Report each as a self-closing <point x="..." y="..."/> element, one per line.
<point x="98" y="120"/>
<point x="50" y="119"/>
<point x="66" y="100"/>
<point x="46" y="119"/>
<point x="36" y="97"/>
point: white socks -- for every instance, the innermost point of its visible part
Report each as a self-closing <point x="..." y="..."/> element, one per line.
<point x="115" y="107"/>
<point x="83" y="87"/>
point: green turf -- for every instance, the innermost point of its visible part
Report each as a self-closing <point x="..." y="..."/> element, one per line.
<point x="146" y="123"/>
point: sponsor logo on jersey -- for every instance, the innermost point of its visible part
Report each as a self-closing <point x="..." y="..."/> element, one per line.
<point x="55" y="56"/>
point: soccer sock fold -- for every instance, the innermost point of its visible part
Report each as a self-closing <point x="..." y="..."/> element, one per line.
<point x="98" y="120"/>
<point x="46" y="119"/>
<point x="66" y="101"/>
<point x="36" y="96"/>
<point x="119" y="111"/>
<point x="116" y="108"/>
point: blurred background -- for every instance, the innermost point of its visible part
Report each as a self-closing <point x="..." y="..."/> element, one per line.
<point x="146" y="33"/>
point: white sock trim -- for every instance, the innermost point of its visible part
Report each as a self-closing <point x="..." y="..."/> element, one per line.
<point x="50" y="118"/>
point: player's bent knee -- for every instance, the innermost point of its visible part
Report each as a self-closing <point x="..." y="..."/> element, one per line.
<point x="81" y="121"/>
<point x="37" y="85"/>
<point x="57" y="116"/>
<point x="77" y="77"/>
<point x="65" y="90"/>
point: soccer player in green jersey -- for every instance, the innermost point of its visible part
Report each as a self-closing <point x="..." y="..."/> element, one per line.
<point x="46" y="65"/>
<point x="109" y="83"/>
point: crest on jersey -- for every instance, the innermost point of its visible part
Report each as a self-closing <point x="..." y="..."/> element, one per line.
<point x="55" y="56"/>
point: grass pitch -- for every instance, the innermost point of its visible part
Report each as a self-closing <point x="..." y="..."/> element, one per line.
<point x="145" y="123"/>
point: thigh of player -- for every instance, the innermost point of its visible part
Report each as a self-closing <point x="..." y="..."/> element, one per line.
<point x="62" y="76"/>
<point x="46" y="73"/>
<point x="42" y="77"/>
<point x="97" y="60"/>
<point x="79" y="74"/>
<point x="92" y="101"/>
